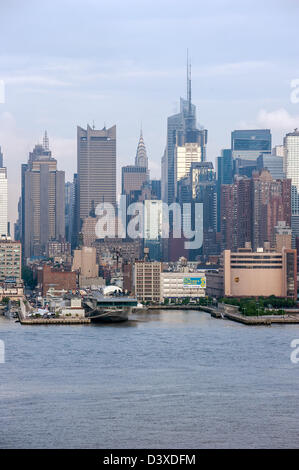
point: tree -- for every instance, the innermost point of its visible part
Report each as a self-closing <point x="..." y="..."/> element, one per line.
<point x="27" y="276"/>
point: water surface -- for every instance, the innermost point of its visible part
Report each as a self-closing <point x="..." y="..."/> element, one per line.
<point x="168" y="379"/>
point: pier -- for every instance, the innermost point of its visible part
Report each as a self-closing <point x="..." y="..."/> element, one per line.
<point x="55" y="321"/>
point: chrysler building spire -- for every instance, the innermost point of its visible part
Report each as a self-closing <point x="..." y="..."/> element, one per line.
<point x="141" y="156"/>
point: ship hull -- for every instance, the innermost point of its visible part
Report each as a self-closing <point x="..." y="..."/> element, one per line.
<point x="108" y="316"/>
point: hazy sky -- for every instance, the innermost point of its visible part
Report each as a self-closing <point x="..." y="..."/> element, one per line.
<point x="69" y="62"/>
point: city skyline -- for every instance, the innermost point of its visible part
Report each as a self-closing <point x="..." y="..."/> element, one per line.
<point x="57" y="85"/>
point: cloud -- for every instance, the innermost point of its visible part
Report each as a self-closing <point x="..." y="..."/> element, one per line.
<point x="35" y="80"/>
<point x="230" y="68"/>
<point x="278" y="120"/>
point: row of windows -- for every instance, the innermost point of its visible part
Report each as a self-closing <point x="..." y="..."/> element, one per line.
<point x="256" y="267"/>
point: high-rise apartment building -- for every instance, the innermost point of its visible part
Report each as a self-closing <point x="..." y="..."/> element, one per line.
<point x="96" y="159"/>
<point x="44" y="201"/>
<point x="271" y="203"/>
<point x="10" y="259"/>
<point x="250" y="210"/>
<point x="236" y="213"/>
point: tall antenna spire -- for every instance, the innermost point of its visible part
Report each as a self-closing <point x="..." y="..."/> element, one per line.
<point x="46" y="141"/>
<point x="188" y="82"/>
<point x="187" y="73"/>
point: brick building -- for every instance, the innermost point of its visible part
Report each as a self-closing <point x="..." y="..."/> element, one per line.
<point x="251" y="208"/>
<point x="58" y="279"/>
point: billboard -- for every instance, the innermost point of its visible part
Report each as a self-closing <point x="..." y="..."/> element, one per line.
<point x="199" y="282"/>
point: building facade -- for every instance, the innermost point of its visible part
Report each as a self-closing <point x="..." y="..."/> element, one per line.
<point x="3" y="202"/>
<point x="245" y="273"/>
<point x="44" y="208"/>
<point x="10" y="259"/>
<point x="147" y="281"/>
<point x="180" y="285"/>
<point x="251" y="208"/>
<point x="96" y="162"/>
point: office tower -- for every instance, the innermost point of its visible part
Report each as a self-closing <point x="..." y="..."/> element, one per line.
<point x="3" y="202"/>
<point x="181" y="129"/>
<point x="18" y="223"/>
<point x="69" y="210"/>
<point x="153" y="228"/>
<point x="155" y="189"/>
<point x="24" y="168"/>
<point x="291" y="166"/>
<point x="10" y="259"/>
<point x="272" y="163"/>
<point x="225" y="167"/>
<point x="185" y="156"/>
<point x="76" y="213"/>
<point x="204" y="190"/>
<point x="44" y="195"/>
<point x="164" y="186"/>
<point x="224" y="176"/>
<point x="278" y="151"/>
<point x="3" y="198"/>
<point x="141" y="155"/>
<point x="133" y="178"/>
<point x="96" y="160"/>
<point x="291" y="169"/>
<point x="249" y="144"/>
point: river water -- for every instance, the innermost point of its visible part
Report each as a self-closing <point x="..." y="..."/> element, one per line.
<point x="167" y="379"/>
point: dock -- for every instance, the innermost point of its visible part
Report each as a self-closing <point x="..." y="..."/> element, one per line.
<point x="288" y="318"/>
<point x="55" y="321"/>
<point x="62" y="320"/>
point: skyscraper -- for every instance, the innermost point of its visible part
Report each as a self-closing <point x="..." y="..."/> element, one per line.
<point x="96" y="161"/>
<point x="251" y="208"/>
<point x="69" y="210"/>
<point x="3" y="198"/>
<point x="248" y="144"/>
<point x="181" y="129"/>
<point x="291" y="165"/>
<point x="185" y="155"/>
<point x="291" y="170"/>
<point x="133" y="178"/>
<point x="204" y="190"/>
<point x="44" y="201"/>
<point x="3" y="201"/>
<point x="141" y="155"/>
<point x="224" y="176"/>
